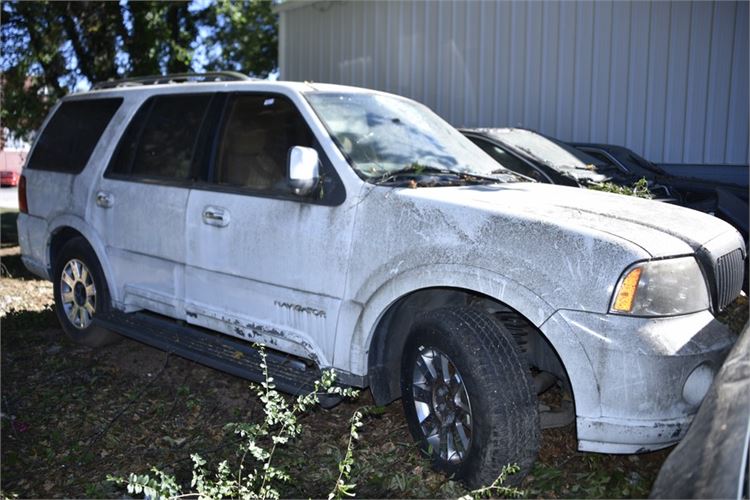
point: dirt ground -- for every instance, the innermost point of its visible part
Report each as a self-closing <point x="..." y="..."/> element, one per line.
<point x="72" y="415"/>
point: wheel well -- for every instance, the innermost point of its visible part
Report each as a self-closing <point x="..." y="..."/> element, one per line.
<point x="59" y="238"/>
<point x="386" y="347"/>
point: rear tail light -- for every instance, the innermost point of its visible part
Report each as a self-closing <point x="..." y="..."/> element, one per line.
<point x="23" y="205"/>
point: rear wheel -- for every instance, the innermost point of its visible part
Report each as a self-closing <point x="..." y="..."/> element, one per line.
<point x="468" y="396"/>
<point x="81" y="293"/>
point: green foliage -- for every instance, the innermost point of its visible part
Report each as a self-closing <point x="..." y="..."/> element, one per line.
<point x="639" y="188"/>
<point x="256" y="475"/>
<point x="52" y="48"/>
<point x="497" y="488"/>
<point x="246" y="35"/>
<point x="342" y="487"/>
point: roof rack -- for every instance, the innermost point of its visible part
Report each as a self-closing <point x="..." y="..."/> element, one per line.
<point x="215" y="76"/>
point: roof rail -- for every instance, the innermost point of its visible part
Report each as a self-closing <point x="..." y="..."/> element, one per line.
<point x="215" y="76"/>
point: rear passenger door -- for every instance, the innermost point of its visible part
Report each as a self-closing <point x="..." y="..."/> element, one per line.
<point x="263" y="263"/>
<point x="139" y="205"/>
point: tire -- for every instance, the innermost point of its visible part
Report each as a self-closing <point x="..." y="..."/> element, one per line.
<point x="492" y="419"/>
<point x="81" y="293"/>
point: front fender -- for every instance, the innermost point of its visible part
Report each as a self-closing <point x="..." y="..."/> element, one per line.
<point x="363" y="313"/>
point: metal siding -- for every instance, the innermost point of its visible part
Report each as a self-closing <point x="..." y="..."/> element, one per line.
<point x="656" y="98"/>
<point x="583" y="69"/>
<point x="737" y="123"/>
<point x="668" y="79"/>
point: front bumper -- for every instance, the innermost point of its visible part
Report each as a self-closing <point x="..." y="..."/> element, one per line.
<point x="637" y="382"/>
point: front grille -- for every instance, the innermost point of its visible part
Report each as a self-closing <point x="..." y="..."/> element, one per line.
<point x="729" y="274"/>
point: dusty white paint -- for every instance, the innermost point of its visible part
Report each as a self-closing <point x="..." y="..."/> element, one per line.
<point x="315" y="280"/>
<point x="668" y="79"/>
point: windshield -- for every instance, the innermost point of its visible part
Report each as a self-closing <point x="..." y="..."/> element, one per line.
<point x="386" y="136"/>
<point x="547" y="151"/>
<point x="644" y="163"/>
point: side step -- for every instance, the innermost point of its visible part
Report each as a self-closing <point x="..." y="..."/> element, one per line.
<point x="290" y="374"/>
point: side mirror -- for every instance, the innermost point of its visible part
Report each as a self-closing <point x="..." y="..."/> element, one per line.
<point x="302" y="170"/>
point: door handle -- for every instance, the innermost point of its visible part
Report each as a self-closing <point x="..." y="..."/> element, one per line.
<point x="216" y="216"/>
<point x="104" y="200"/>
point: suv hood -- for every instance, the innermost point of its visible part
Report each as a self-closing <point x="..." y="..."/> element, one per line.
<point x="659" y="229"/>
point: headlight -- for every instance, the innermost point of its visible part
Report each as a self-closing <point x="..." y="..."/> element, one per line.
<point x="661" y="288"/>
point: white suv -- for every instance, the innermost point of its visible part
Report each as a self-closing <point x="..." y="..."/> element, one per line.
<point x="351" y="229"/>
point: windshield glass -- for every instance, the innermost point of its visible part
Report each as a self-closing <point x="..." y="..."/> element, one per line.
<point x="384" y="136"/>
<point x="547" y="151"/>
<point x="644" y="163"/>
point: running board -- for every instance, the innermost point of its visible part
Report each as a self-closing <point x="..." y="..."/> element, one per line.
<point x="222" y="352"/>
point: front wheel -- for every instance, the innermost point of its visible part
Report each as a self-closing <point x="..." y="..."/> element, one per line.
<point x="81" y="293"/>
<point x="468" y="396"/>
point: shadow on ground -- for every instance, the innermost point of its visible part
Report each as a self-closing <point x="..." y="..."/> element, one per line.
<point x="8" y="230"/>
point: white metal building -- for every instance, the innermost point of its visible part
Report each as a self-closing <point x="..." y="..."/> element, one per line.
<point x="667" y="79"/>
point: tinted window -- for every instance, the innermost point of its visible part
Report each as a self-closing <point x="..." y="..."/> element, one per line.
<point x="259" y="132"/>
<point x="160" y="141"/>
<point x="508" y="160"/>
<point x="71" y="135"/>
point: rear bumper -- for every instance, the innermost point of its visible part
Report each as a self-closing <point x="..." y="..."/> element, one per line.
<point x="32" y="237"/>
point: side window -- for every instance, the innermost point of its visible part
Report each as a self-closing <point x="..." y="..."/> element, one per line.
<point x="160" y="142"/>
<point x="508" y="160"/>
<point x="258" y="133"/>
<point x="72" y="134"/>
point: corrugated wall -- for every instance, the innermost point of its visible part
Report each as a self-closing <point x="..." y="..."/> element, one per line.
<point x="668" y="79"/>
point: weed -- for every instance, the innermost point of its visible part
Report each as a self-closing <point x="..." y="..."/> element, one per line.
<point x="498" y="488"/>
<point x="259" y="480"/>
<point x="639" y="189"/>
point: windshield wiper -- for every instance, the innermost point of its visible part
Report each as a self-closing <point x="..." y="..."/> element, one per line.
<point x="416" y="169"/>
<point x="510" y="173"/>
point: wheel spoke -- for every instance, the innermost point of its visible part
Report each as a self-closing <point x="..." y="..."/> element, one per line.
<point x="426" y="368"/>
<point x="91" y="290"/>
<point x="90" y="310"/>
<point x="443" y="433"/>
<point x="76" y="270"/>
<point x="82" y="314"/>
<point x="452" y="454"/>
<point x="68" y="280"/>
<point x="430" y="425"/>
<point x="68" y="297"/>
<point x="84" y="274"/>
<point x="421" y="394"/>
<point x="445" y="368"/>
<point x="463" y="435"/>
<point x="73" y="314"/>
<point x="458" y="400"/>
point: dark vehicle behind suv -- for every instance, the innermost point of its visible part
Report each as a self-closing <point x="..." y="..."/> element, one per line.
<point x="725" y="200"/>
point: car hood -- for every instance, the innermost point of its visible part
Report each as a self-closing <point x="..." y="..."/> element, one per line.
<point x="659" y="229"/>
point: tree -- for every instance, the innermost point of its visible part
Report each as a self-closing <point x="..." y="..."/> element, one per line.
<point x="245" y="36"/>
<point x="52" y="48"/>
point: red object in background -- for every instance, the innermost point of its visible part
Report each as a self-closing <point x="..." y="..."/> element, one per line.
<point x="8" y="178"/>
<point x="23" y="206"/>
<point x="11" y="162"/>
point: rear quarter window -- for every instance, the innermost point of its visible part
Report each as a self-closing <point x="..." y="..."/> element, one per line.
<point x="72" y="133"/>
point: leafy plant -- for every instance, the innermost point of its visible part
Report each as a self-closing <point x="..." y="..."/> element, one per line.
<point x="639" y="189"/>
<point x="498" y="488"/>
<point x="259" y="478"/>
